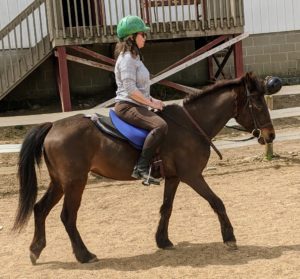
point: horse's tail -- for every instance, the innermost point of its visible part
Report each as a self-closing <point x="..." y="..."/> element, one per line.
<point x="30" y="154"/>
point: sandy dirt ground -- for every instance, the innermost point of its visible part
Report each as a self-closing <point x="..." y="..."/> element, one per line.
<point x="118" y="220"/>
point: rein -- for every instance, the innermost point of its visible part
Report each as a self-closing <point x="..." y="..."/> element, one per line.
<point x="202" y="133"/>
<point x="256" y="131"/>
<point x="238" y="128"/>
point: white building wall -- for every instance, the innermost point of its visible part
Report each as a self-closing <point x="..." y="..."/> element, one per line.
<point x="9" y="9"/>
<point x="265" y="16"/>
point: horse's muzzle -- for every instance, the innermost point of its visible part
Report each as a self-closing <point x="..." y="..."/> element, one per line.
<point x="267" y="136"/>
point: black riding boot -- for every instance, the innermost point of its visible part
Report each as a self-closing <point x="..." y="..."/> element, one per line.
<point x="142" y="168"/>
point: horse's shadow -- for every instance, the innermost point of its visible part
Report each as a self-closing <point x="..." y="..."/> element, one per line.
<point x="185" y="254"/>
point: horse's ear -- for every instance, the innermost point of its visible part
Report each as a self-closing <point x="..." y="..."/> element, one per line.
<point x="248" y="77"/>
<point x="253" y="83"/>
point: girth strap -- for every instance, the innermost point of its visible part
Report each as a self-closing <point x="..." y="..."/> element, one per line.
<point x="203" y="133"/>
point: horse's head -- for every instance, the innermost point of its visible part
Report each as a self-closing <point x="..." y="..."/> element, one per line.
<point x="252" y="110"/>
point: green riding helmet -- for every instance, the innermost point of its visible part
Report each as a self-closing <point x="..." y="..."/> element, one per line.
<point x="129" y="25"/>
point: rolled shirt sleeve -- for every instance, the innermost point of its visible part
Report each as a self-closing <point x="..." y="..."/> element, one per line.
<point x="129" y="85"/>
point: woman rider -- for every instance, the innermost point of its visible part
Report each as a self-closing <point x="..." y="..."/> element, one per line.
<point x="133" y="92"/>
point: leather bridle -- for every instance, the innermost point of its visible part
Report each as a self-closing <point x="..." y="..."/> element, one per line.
<point x="256" y="132"/>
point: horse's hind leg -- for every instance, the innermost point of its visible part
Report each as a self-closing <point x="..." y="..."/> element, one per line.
<point x="72" y="200"/>
<point x="162" y="237"/>
<point x="202" y="188"/>
<point x="41" y="210"/>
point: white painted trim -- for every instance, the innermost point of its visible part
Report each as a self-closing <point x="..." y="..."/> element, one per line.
<point x="220" y="143"/>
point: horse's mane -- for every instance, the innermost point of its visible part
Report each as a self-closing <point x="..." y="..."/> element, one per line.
<point x="220" y="85"/>
<point x="250" y="79"/>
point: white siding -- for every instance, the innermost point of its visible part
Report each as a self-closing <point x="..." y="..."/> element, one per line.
<point x="265" y="16"/>
<point x="9" y="9"/>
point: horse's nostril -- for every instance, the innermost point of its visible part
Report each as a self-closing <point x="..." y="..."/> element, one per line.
<point x="272" y="136"/>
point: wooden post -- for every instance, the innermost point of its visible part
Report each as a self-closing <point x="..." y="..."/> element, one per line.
<point x="63" y="79"/>
<point x="269" y="151"/>
<point x="269" y="101"/>
<point x="210" y="68"/>
<point x="269" y="146"/>
<point x="238" y="59"/>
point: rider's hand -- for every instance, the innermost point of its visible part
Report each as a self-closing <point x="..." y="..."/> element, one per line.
<point x="157" y="104"/>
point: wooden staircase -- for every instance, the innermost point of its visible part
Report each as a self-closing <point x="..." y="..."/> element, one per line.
<point x="28" y="40"/>
<point x="25" y="44"/>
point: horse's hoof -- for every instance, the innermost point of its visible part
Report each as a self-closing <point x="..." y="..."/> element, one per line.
<point x="166" y="245"/>
<point x="93" y="260"/>
<point x="231" y="245"/>
<point x="33" y="258"/>
<point x="171" y="247"/>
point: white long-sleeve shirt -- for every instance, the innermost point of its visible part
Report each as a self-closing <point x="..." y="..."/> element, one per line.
<point x="131" y="75"/>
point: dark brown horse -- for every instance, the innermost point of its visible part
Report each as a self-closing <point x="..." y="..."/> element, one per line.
<point x="72" y="147"/>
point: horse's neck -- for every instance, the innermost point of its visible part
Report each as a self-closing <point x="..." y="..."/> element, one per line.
<point x="213" y="111"/>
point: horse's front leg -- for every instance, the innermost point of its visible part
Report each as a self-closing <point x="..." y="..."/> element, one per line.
<point x="201" y="187"/>
<point x="162" y="238"/>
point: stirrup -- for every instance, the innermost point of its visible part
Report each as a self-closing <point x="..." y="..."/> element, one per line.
<point x="147" y="179"/>
<point x="150" y="180"/>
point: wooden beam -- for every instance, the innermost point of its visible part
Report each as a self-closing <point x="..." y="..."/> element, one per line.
<point x="63" y="79"/>
<point x="220" y="70"/>
<point x="89" y="63"/>
<point x="93" y="54"/>
<point x="196" y="53"/>
<point x="177" y="86"/>
<point x="198" y="58"/>
<point x="288" y="90"/>
<point x="238" y="59"/>
<point x="180" y="87"/>
<point x="210" y="69"/>
<point x="221" y="66"/>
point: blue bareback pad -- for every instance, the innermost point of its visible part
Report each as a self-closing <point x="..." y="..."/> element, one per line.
<point x="134" y="134"/>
